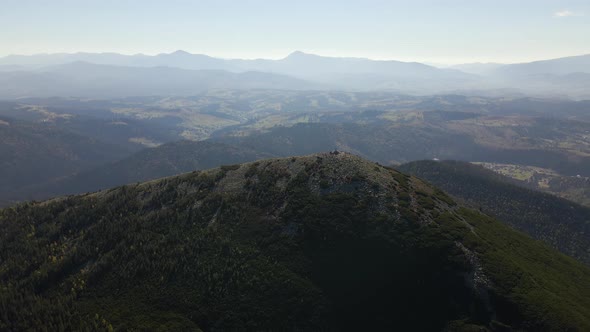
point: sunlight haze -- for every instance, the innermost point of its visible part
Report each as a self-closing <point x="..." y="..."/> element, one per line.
<point x="445" y="32"/>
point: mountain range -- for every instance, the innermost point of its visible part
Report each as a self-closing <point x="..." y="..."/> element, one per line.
<point x="103" y="75"/>
<point x="311" y="64"/>
<point x="294" y="63"/>
<point x="82" y="79"/>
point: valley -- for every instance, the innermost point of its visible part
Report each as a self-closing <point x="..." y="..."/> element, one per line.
<point x="575" y="188"/>
<point x="384" y="127"/>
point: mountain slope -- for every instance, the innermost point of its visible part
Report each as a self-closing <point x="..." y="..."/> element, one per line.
<point x="560" y="223"/>
<point x="567" y="76"/>
<point x="322" y="242"/>
<point x="33" y="153"/>
<point x="81" y="79"/>
<point x="165" y="160"/>
<point x="560" y="66"/>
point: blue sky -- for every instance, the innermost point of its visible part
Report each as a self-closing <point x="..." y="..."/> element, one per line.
<point x="452" y="31"/>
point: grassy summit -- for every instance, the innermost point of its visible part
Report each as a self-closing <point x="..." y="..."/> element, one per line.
<point x="323" y="242"/>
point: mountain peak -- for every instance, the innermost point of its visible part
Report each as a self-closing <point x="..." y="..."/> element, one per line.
<point x="180" y="52"/>
<point x="297" y="54"/>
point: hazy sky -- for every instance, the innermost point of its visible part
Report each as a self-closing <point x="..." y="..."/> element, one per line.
<point x="450" y="31"/>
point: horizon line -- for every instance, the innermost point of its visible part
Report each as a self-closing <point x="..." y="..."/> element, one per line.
<point x="427" y="62"/>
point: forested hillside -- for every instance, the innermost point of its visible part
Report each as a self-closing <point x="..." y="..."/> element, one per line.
<point x="148" y="164"/>
<point x="322" y="242"/>
<point x="563" y="224"/>
<point x="34" y="153"/>
<point x="441" y="135"/>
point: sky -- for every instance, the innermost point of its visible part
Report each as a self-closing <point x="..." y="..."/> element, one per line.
<point x="438" y="32"/>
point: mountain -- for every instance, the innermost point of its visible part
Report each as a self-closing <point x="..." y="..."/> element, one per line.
<point x="305" y="71"/>
<point x="296" y="64"/>
<point x="327" y="72"/>
<point x="80" y="79"/>
<point x="300" y="64"/>
<point x="178" y="59"/>
<point x="560" y="66"/>
<point x="560" y="223"/>
<point x="310" y="65"/>
<point x="33" y="153"/>
<point x="557" y="67"/>
<point x="322" y="242"/>
<point x="562" y="77"/>
<point x="148" y="164"/>
<point x="366" y="74"/>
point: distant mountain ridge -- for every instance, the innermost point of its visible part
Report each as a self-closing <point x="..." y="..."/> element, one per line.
<point x="560" y="66"/>
<point x="331" y="71"/>
<point x="83" y="79"/>
<point x="185" y="60"/>
<point x="298" y="70"/>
